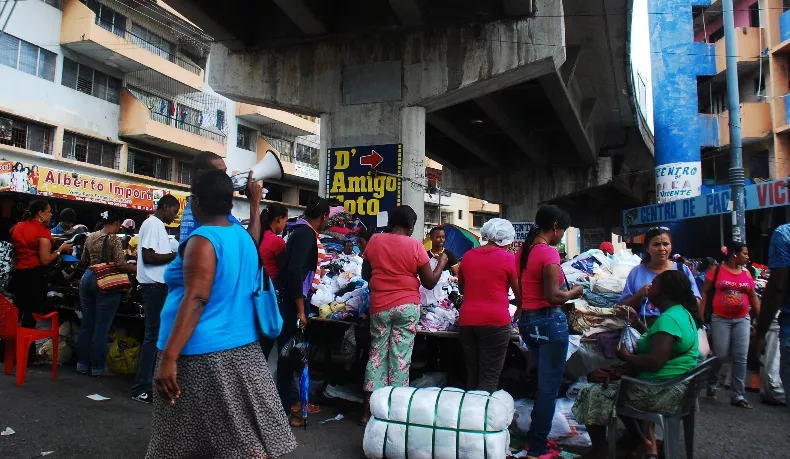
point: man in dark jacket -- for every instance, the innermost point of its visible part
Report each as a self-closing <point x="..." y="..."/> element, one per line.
<point x="296" y="278"/>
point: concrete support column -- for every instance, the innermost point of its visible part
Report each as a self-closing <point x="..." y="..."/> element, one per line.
<point x="380" y="124"/>
<point x="412" y="127"/>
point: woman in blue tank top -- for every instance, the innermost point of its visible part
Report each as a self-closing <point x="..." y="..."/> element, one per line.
<point x="216" y="397"/>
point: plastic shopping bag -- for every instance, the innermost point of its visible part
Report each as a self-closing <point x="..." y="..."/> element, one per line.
<point x="295" y="349"/>
<point x="123" y="356"/>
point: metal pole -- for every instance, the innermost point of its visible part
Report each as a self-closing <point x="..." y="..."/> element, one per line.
<point x="736" y="149"/>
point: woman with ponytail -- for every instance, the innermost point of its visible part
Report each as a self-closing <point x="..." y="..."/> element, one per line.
<point x="543" y="325"/>
<point x="729" y="291"/>
<point x="272" y="247"/>
<point x="32" y="253"/>
<point x="666" y="351"/>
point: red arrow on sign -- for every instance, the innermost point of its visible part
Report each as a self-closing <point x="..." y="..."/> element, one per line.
<point x="373" y="160"/>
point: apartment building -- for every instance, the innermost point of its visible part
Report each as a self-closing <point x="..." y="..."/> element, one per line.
<point x="442" y="206"/>
<point x="106" y="101"/>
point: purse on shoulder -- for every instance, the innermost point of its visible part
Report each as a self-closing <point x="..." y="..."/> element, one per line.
<point x="108" y="278"/>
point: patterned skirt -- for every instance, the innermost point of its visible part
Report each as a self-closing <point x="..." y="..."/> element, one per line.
<point x="595" y="404"/>
<point x="229" y="408"/>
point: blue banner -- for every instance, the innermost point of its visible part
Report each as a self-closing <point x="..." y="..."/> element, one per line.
<point x="757" y="196"/>
<point x="367" y="180"/>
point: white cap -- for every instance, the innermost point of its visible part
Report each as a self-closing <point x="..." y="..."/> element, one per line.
<point x="499" y="231"/>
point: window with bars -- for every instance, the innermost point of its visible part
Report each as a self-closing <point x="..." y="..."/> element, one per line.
<point x="478" y="220"/>
<point x="92" y="151"/>
<point x="246" y="138"/>
<point x="307" y="154"/>
<point x="107" y="18"/>
<point x="152" y="42"/>
<point x="56" y="3"/>
<point x="27" y="57"/>
<point x="92" y="82"/>
<point x="284" y="147"/>
<point x="150" y="165"/>
<point x="184" y="172"/>
<point x="26" y="134"/>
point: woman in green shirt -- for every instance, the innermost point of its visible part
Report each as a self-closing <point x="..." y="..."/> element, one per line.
<point x="665" y="351"/>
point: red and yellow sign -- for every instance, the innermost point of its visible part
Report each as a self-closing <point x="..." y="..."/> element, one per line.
<point x="44" y="181"/>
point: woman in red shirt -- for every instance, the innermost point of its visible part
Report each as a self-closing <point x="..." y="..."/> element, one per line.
<point x="485" y="278"/>
<point x="272" y="247"/>
<point x="32" y="253"/>
<point x="543" y="325"/>
<point x="733" y="293"/>
<point x="395" y="265"/>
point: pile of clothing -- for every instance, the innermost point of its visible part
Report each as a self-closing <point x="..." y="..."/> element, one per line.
<point x="342" y="293"/>
<point x="439" y="305"/>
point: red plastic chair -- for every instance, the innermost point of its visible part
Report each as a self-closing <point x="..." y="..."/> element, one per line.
<point x="18" y="339"/>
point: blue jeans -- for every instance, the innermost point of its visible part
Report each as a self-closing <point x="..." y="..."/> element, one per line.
<point x="285" y="369"/>
<point x="784" y="364"/>
<point x="98" y="311"/>
<point x="547" y="339"/>
<point x="154" y="296"/>
<point x="730" y="340"/>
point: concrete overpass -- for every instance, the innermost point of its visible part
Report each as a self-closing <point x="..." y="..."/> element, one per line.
<point x="524" y="101"/>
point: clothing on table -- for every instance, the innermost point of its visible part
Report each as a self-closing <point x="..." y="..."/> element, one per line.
<point x="452" y="258"/>
<point x="392" y="333"/>
<point x="730" y="341"/>
<point x="153" y="235"/>
<point x="486" y="273"/>
<point x="677" y="322"/>
<point x="485" y="349"/>
<point x="229" y="313"/>
<point x="98" y="311"/>
<point x="641" y="276"/>
<point x="731" y="293"/>
<point x="189" y="224"/>
<point x="779" y="257"/>
<point x="546" y="336"/>
<point x="594" y="405"/>
<point x="25" y="236"/>
<point x="93" y="250"/>
<point x="271" y="247"/>
<point x="30" y="293"/>
<point x="395" y="260"/>
<point x="297" y="273"/>
<point x="540" y="256"/>
<point x="228" y="409"/>
<point x="154" y="296"/>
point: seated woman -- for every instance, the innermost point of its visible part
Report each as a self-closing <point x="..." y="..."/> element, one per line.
<point x="665" y="351"/>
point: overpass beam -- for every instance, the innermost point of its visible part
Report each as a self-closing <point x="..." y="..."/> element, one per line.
<point x="302" y="16"/>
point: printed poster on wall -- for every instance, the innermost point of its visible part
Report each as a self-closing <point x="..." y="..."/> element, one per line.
<point x="33" y="179"/>
<point x="522" y="228"/>
<point x="365" y="179"/>
<point x="677" y="181"/>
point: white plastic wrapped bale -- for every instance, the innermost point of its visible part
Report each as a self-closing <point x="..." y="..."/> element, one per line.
<point x="434" y="423"/>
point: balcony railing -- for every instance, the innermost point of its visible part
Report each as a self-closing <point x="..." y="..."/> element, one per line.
<point x="146" y="44"/>
<point x="183" y="125"/>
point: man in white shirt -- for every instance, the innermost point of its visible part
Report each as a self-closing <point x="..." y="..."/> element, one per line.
<point x="153" y="254"/>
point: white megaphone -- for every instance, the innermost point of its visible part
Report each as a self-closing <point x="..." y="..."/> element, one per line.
<point x="269" y="168"/>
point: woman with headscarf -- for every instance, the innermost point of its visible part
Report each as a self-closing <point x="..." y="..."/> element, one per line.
<point x="485" y="278"/>
<point x="216" y="397"/>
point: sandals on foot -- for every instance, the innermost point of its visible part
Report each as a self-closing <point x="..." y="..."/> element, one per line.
<point x="296" y="420"/>
<point x="311" y="409"/>
<point x="742" y="403"/>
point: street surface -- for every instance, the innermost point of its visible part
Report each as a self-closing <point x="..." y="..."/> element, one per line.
<point x="57" y="416"/>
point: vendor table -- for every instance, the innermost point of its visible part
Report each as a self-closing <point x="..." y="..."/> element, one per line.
<point x="587" y="357"/>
